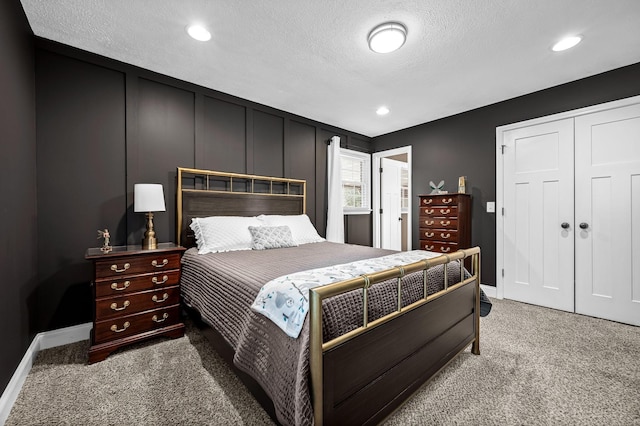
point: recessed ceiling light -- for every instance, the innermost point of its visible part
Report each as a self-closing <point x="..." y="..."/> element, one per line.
<point x="199" y="32"/>
<point x="387" y="37"/>
<point x="383" y="110"/>
<point x="566" y="43"/>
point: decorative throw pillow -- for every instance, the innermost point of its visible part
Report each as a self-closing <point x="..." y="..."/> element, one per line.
<point x="270" y="237"/>
<point x="223" y="233"/>
<point x="302" y="230"/>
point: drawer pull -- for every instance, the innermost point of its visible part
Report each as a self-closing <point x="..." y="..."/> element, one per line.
<point x="445" y="222"/>
<point x="124" y="327"/>
<point x="164" y="297"/>
<point x="429" y="247"/>
<point x="429" y="222"/>
<point x="126" y="266"/>
<point x="427" y="201"/>
<point x="164" y="317"/>
<point x="165" y="278"/>
<point x="428" y="211"/>
<point x="114" y="306"/>
<point x="443" y="235"/>
<point x="164" y="263"/>
<point x="445" y="211"/>
<point x="445" y="249"/>
<point x="429" y="234"/>
<point x="114" y="286"/>
<point x="447" y="200"/>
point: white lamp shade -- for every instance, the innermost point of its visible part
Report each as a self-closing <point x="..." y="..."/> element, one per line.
<point x="148" y="197"/>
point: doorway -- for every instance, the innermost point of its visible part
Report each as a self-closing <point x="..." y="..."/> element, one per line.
<point x="392" y="199"/>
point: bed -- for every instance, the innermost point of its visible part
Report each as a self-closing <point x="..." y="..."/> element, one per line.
<point x="368" y="342"/>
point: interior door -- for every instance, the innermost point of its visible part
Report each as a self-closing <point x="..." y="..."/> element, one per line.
<point x="538" y="216"/>
<point x="608" y="214"/>
<point x="391" y="216"/>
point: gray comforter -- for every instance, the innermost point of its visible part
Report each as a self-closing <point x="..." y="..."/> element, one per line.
<point x="222" y="287"/>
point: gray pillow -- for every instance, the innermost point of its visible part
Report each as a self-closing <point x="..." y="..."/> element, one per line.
<point x="270" y="237"/>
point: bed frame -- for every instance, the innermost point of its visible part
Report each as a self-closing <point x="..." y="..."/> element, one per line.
<point x="362" y="376"/>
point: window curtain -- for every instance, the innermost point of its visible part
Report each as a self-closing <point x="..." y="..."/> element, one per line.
<point x="335" y="218"/>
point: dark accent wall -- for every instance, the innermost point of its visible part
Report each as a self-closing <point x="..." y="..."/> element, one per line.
<point x="465" y="145"/>
<point x="18" y="228"/>
<point x="103" y="126"/>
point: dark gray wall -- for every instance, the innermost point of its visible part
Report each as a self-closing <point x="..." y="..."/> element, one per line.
<point x="18" y="229"/>
<point x="104" y="126"/>
<point x="465" y="145"/>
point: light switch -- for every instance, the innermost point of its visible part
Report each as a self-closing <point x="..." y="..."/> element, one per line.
<point x="491" y="207"/>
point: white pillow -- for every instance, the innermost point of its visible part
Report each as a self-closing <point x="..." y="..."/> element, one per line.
<point x="223" y="233"/>
<point x="302" y="230"/>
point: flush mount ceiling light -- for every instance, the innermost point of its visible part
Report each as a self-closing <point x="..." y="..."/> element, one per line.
<point x="383" y="110"/>
<point x="387" y="37"/>
<point x="199" y="32"/>
<point x="566" y="43"/>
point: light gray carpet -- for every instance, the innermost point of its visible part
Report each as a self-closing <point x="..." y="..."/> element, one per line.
<point x="538" y="367"/>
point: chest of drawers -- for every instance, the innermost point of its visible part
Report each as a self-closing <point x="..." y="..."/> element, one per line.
<point x="445" y="222"/>
<point x="136" y="296"/>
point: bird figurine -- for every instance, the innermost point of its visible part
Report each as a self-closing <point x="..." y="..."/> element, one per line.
<point x="437" y="189"/>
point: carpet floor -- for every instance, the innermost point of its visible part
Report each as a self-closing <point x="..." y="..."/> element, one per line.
<point x="537" y="366"/>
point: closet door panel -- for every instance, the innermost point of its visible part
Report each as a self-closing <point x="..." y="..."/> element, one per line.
<point x="607" y="161"/>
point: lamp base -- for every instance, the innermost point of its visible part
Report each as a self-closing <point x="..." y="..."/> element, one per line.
<point x="149" y="242"/>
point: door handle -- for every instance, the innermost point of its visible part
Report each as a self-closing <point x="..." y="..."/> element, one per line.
<point x="565" y="225"/>
<point x="584" y="225"/>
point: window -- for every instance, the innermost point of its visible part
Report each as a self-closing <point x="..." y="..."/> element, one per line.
<point x="356" y="181"/>
<point x="404" y="189"/>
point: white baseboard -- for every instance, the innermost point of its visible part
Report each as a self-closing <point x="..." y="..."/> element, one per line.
<point x="489" y="290"/>
<point x="46" y="340"/>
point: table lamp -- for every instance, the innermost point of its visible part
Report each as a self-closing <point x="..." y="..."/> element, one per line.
<point x="148" y="198"/>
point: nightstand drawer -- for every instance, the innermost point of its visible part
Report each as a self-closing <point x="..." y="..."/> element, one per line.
<point x="112" y="307"/>
<point x="120" y="327"/>
<point x="133" y="265"/>
<point x="119" y="286"/>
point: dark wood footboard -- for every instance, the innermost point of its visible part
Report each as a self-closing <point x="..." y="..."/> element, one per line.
<point x="362" y="378"/>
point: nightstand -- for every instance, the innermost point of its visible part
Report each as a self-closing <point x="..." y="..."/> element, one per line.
<point x="136" y="296"/>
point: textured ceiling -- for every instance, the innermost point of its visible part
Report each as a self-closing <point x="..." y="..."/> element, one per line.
<point x="310" y="57"/>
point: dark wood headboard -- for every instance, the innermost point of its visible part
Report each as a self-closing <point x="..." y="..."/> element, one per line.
<point x="203" y="193"/>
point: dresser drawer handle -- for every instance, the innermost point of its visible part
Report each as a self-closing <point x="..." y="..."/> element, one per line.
<point x="114" y="306"/>
<point x="164" y="297"/>
<point x="428" y="211"/>
<point x="443" y="235"/>
<point x="429" y="234"/>
<point x="429" y="247"/>
<point x="429" y="222"/>
<point x="124" y="327"/>
<point x="124" y="268"/>
<point x="445" y="222"/>
<point x="445" y="249"/>
<point x="445" y="211"/>
<point x="164" y="263"/>
<point x="447" y="200"/>
<point x="114" y="286"/>
<point x="165" y="278"/>
<point x="164" y="317"/>
<point x="427" y="201"/>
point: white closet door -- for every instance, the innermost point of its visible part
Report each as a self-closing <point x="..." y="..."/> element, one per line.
<point x="538" y="217"/>
<point x="608" y="206"/>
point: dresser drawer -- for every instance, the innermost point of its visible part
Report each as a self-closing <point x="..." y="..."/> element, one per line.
<point x="438" y="247"/>
<point x="438" y="223"/>
<point x="133" y="265"/>
<point x="120" y="327"/>
<point x="439" y="200"/>
<point x="119" y="286"/>
<point x="439" y="211"/>
<point x="443" y="235"/>
<point x="112" y="307"/>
